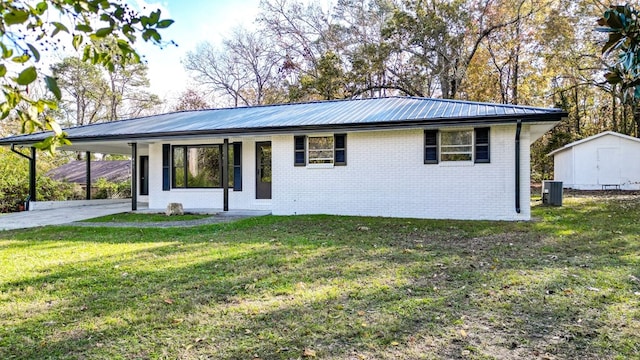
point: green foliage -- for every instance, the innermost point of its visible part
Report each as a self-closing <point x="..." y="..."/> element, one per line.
<point x="92" y="21"/>
<point x="623" y="44"/>
<point x="14" y="184"/>
<point x="111" y="190"/>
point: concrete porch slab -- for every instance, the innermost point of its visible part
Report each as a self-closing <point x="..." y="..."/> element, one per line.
<point x="63" y="213"/>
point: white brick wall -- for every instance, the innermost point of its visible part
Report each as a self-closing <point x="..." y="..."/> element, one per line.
<point x="207" y="198"/>
<point x="385" y="176"/>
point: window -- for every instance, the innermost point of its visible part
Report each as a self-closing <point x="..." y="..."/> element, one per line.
<point x="320" y="150"/>
<point x="201" y="166"/>
<point x="456" y="145"/>
<point x="482" y="145"/>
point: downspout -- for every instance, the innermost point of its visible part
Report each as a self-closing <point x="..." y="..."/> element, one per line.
<point x="32" y="172"/>
<point x="518" y="129"/>
<point x="134" y="178"/>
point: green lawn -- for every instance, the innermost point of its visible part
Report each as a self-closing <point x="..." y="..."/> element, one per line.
<point x="565" y="286"/>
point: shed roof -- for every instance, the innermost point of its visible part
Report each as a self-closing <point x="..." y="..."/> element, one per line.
<point x="373" y="113"/>
<point x="75" y="171"/>
<point x="590" y="138"/>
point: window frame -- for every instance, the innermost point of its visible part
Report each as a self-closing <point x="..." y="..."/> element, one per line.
<point x="231" y="166"/>
<point x="442" y="152"/>
<point x="302" y="151"/>
<point x="433" y="146"/>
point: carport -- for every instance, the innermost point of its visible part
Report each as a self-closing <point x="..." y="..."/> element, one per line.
<point x="62" y="212"/>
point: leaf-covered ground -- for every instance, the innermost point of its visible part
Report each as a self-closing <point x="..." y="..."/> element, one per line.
<point x="564" y="286"/>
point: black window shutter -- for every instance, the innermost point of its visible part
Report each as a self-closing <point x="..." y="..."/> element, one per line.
<point x="340" y="149"/>
<point x="166" y="167"/>
<point x="482" y="145"/>
<point x="299" y="150"/>
<point x="431" y="146"/>
<point x="237" y="166"/>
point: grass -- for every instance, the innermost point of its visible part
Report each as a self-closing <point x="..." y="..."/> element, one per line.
<point x="565" y="286"/>
<point x="139" y="217"/>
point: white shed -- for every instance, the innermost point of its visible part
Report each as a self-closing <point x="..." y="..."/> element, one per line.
<point x="608" y="160"/>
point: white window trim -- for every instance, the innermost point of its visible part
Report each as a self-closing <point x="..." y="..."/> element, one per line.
<point x="309" y="151"/>
<point x="456" y="162"/>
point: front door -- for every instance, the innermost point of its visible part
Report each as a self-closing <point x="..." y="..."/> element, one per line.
<point x="263" y="170"/>
<point x="144" y="175"/>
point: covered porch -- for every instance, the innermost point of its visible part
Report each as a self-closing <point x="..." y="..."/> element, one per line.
<point x="153" y="171"/>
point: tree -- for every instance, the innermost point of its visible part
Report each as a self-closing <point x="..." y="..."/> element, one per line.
<point x="622" y="53"/>
<point x="90" y="94"/>
<point x="84" y="91"/>
<point x="442" y="38"/>
<point x="31" y="27"/>
<point x="127" y="95"/>
<point x="191" y="100"/>
<point x="245" y="68"/>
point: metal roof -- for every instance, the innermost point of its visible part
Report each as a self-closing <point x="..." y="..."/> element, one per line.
<point x="373" y="113"/>
<point x="76" y="171"/>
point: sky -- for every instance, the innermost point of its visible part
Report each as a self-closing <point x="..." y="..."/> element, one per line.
<point x="196" y="21"/>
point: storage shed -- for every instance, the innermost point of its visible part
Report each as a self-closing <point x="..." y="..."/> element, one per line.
<point x="608" y="160"/>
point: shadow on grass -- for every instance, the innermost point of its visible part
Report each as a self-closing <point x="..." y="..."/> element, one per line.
<point x="338" y="287"/>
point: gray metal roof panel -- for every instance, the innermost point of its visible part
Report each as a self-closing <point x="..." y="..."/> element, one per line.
<point x="373" y="111"/>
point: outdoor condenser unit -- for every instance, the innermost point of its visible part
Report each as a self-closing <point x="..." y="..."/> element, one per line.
<point x="552" y="193"/>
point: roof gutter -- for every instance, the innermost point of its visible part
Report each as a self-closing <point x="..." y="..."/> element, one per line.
<point x="13" y="149"/>
<point x="518" y="129"/>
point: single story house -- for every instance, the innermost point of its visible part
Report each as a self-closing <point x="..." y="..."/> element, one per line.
<point x="608" y="160"/>
<point x="393" y="156"/>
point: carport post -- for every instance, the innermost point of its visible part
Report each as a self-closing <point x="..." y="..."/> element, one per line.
<point x="88" y="180"/>
<point x="134" y="171"/>
<point x="32" y="175"/>
<point x="225" y="174"/>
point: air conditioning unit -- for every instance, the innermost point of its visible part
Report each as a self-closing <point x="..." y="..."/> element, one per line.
<point x="552" y="192"/>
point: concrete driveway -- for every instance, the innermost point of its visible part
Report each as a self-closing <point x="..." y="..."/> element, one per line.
<point x="58" y="213"/>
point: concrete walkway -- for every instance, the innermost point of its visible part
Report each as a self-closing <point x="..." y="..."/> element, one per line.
<point x="49" y="215"/>
<point x="71" y="212"/>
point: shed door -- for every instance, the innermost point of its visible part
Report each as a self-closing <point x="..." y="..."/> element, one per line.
<point x="608" y="166"/>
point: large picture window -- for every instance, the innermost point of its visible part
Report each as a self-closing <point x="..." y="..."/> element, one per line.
<point x="200" y="166"/>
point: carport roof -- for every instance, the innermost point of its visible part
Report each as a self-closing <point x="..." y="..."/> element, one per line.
<point x="373" y="113"/>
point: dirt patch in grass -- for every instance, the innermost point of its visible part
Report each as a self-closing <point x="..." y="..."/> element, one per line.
<point x="147" y="217"/>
